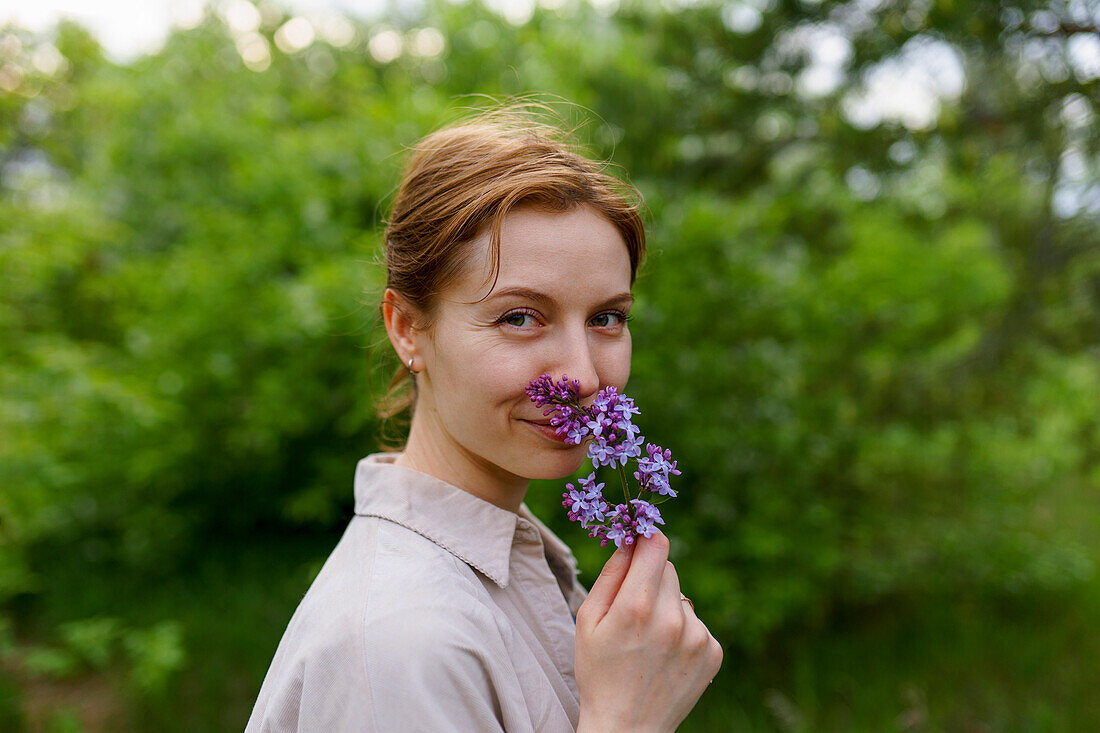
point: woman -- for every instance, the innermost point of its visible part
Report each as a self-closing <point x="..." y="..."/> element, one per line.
<point x="447" y="605"/>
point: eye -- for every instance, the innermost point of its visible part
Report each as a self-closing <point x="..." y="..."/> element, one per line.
<point x="519" y="319"/>
<point x="610" y="319"/>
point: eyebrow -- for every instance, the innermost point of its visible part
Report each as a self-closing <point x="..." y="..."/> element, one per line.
<point x="543" y="298"/>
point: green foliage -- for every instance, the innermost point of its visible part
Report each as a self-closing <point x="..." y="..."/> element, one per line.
<point x="872" y="347"/>
<point x="155" y="654"/>
<point x="92" y="639"/>
<point x="150" y="655"/>
<point x="65" y="720"/>
<point x="49" y="662"/>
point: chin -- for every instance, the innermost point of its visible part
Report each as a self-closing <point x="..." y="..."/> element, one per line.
<point x="564" y="464"/>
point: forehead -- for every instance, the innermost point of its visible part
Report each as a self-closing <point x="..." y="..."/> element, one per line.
<point x="576" y="254"/>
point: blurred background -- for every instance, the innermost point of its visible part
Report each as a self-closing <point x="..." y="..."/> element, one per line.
<point x="868" y="329"/>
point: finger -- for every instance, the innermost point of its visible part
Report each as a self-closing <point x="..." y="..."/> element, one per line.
<point x="715" y="653"/>
<point x="689" y="606"/>
<point x="647" y="567"/>
<point x="606" y="588"/>
<point x="670" y="587"/>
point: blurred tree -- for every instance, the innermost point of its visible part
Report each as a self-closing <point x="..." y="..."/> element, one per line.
<point x="868" y="328"/>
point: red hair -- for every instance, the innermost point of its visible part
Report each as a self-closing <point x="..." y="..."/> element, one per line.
<point x="463" y="180"/>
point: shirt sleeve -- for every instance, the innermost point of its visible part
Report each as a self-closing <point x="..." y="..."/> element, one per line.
<point x="432" y="670"/>
<point x="314" y="685"/>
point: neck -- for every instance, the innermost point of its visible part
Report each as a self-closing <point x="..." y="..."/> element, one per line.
<point x="429" y="450"/>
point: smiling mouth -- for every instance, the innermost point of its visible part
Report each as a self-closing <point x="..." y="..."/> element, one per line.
<point x="547" y="430"/>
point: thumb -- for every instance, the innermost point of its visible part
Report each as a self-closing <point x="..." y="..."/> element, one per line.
<point x="606" y="587"/>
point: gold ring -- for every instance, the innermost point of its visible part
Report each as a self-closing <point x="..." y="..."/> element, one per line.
<point x="685" y="598"/>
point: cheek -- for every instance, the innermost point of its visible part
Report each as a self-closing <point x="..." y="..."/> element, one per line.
<point x="503" y="383"/>
<point x="615" y="363"/>
<point x="484" y="379"/>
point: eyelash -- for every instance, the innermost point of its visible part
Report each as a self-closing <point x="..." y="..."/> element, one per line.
<point x="503" y="320"/>
<point x="623" y="317"/>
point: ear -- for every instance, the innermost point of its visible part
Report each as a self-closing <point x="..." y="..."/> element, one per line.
<point x="397" y="314"/>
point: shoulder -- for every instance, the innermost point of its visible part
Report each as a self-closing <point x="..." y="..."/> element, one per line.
<point x="437" y="664"/>
<point x="423" y="604"/>
<point x="430" y="641"/>
<point x="391" y="616"/>
<point x="384" y="575"/>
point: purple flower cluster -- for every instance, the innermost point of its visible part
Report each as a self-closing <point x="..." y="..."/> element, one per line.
<point x="585" y="504"/>
<point x="654" y="470"/>
<point x="608" y="422"/>
<point x="613" y="440"/>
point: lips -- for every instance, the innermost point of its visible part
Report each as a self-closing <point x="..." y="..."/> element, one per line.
<point x="546" y="430"/>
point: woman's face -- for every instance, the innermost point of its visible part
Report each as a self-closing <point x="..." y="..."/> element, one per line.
<point x="558" y="306"/>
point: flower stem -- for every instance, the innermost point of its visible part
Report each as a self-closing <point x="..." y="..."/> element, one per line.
<point x="622" y="476"/>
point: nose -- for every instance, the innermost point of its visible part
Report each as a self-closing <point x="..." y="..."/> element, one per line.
<point x="577" y="363"/>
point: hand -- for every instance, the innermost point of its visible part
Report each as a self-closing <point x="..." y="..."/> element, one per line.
<point x="643" y="658"/>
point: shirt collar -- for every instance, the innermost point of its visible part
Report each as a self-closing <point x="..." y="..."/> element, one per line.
<point x="475" y="531"/>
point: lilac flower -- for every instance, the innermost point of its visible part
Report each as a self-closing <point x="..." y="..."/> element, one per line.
<point x="606" y="397"/>
<point x="561" y="398"/>
<point x="576" y="433"/>
<point x="598" y="423"/>
<point x="629" y="429"/>
<point x="545" y="391"/>
<point x="585" y="504"/>
<point x="615" y="449"/>
<point x="574" y="500"/>
<point x="590" y="485"/>
<point x="598" y="531"/>
<point x="629" y="448"/>
<point x="624" y="408"/>
<point x="595" y="505"/>
<point x="614" y="440"/>
<point x="622" y="525"/>
<point x="618" y="534"/>
<point x="601" y="454"/>
<point x="654" y="470"/>
<point x="645" y="515"/>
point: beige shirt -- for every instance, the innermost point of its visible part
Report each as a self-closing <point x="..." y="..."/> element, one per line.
<point x="437" y="611"/>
